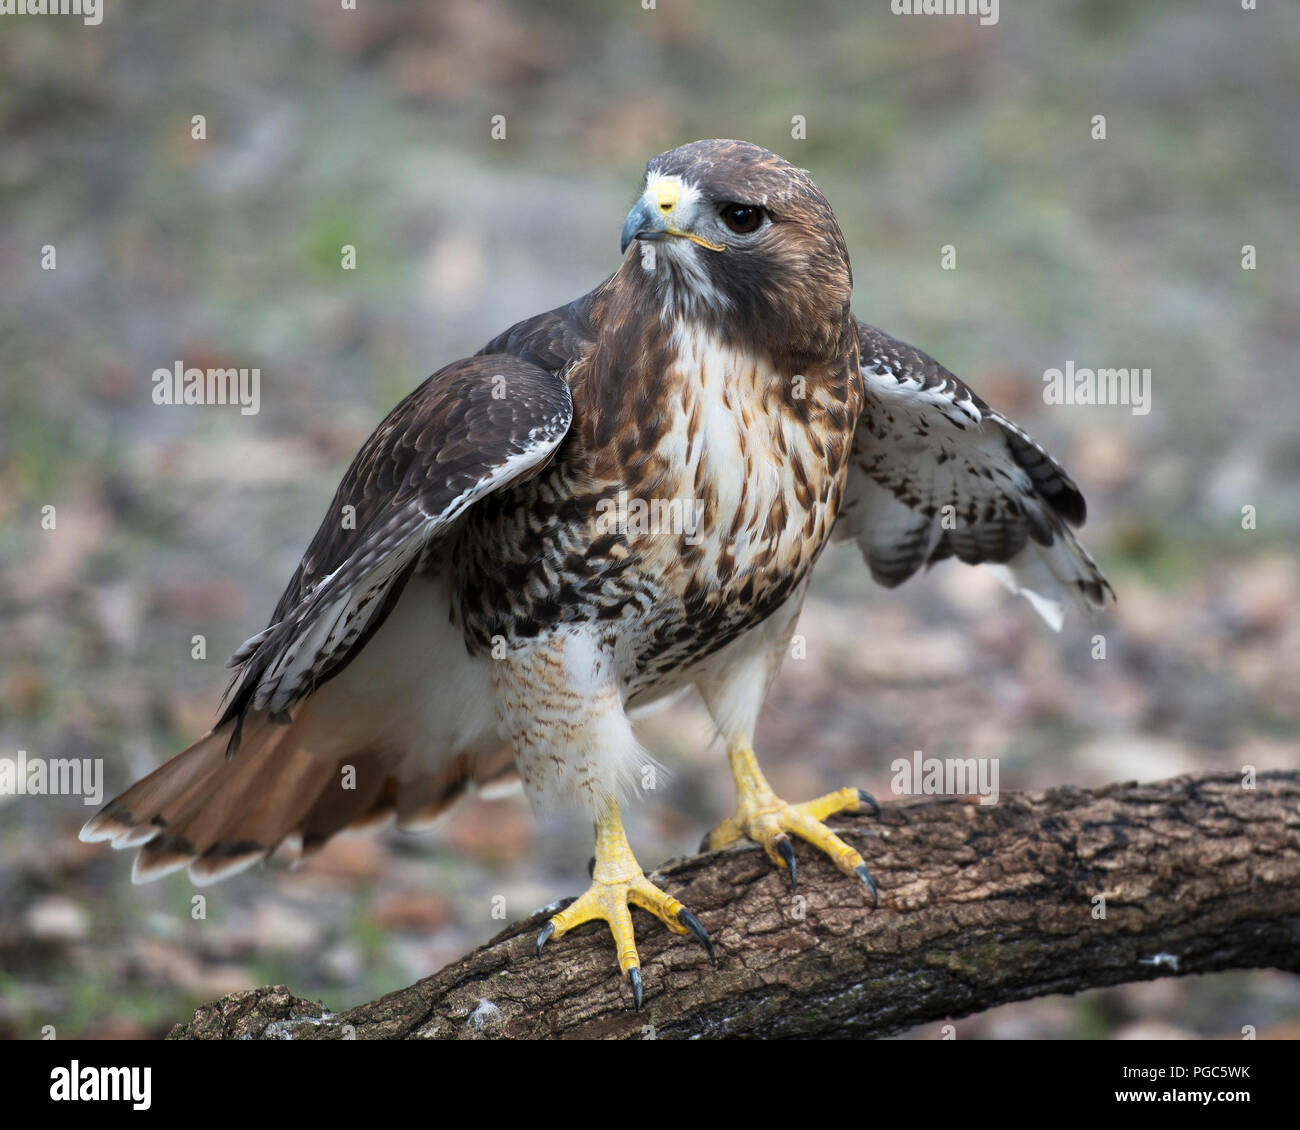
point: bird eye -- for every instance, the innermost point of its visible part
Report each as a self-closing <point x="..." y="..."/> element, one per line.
<point x="742" y="218"/>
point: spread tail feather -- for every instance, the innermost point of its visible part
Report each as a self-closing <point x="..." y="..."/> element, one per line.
<point x="218" y="816"/>
<point x="1052" y="576"/>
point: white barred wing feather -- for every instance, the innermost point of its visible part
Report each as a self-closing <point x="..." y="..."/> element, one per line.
<point x="937" y="473"/>
<point x="472" y="428"/>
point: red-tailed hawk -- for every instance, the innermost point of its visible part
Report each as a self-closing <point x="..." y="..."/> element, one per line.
<point x="611" y="501"/>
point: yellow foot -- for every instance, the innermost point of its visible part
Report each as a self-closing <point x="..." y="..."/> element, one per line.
<point x="618" y="883"/>
<point x="765" y="818"/>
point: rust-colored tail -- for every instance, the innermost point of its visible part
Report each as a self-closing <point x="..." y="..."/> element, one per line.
<point x="218" y="816"/>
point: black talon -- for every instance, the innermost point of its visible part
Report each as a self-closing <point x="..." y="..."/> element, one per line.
<point x="704" y="843"/>
<point x="545" y="936"/>
<point x="786" y="850"/>
<point x="696" y="927"/>
<point x="591" y="867"/>
<point x="867" y="799"/>
<point x="862" y="873"/>
<point x="634" y="979"/>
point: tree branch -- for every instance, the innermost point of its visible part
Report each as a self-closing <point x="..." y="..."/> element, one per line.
<point x="979" y="905"/>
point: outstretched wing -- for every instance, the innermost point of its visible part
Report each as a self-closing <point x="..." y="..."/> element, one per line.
<point x="470" y="429"/>
<point x="937" y="473"/>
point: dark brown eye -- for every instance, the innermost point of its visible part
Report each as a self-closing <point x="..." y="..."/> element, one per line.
<point x="742" y="218"/>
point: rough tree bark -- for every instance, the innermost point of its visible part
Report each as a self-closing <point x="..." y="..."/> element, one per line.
<point x="979" y="905"/>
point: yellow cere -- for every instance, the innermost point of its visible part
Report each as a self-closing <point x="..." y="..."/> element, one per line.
<point x="667" y="193"/>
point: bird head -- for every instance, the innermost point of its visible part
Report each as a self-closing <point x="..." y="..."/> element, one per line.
<point x="729" y="232"/>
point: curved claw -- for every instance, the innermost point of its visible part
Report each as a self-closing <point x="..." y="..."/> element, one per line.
<point x="870" y="801"/>
<point x="704" y="843"/>
<point x="591" y="867"/>
<point x="862" y="873"/>
<point x="696" y="927"/>
<point x="786" y="850"/>
<point x="634" y="979"/>
<point x="545" y="935"/>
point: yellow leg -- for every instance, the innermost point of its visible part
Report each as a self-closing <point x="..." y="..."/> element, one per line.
<point x="617" y="883"/>
<point x="765" y="818"/>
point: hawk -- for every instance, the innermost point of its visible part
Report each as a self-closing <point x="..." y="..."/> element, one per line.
<point x="475" y="602"/>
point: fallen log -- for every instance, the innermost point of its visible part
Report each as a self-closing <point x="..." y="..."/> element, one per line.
<point x="1047" y="892"/>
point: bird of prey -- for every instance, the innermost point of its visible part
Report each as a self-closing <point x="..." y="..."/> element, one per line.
<point x="476" y="602"/>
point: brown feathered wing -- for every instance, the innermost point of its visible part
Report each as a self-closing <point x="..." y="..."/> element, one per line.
<point x="254" y="784"/>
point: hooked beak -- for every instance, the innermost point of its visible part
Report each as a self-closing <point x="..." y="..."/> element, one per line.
<point x="651" y="218"/>
<point x="641" y="223"/>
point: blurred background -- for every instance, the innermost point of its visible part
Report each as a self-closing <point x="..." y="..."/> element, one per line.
<point x="373" y="128"/>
